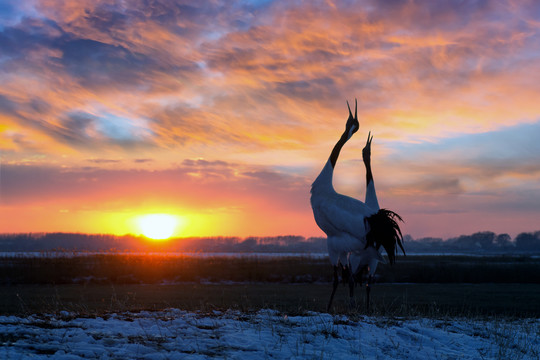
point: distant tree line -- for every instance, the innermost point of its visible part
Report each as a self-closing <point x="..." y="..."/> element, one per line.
<point x="478" y="243"/>
<point x="40" y="242"/>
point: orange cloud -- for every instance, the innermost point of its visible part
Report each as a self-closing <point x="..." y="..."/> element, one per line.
<point x="262" y="88"/>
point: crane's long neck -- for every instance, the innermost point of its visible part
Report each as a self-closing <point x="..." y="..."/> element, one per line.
<point x="324" y="180"/>
<point x="369" y="174"/>
<point x="337" y="148"/>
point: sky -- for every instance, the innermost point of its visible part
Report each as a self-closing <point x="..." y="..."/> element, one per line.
<point x="222" y="113"/>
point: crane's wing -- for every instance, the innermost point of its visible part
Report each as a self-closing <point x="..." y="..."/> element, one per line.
<point x="338" y="214"/>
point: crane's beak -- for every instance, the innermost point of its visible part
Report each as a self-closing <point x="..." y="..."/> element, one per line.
<point x="355" y="109"/>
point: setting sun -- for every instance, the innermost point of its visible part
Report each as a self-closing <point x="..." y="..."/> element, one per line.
<point x="158" y="226"/>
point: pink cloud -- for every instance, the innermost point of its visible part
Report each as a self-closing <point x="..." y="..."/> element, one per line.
<point x="260" y="88"/>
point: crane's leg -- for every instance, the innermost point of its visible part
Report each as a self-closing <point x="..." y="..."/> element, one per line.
<point x="345" y="274"/>
<point x="352" y="303"/>
<point x="335" y="285"/>
<point x="368" y="290"/>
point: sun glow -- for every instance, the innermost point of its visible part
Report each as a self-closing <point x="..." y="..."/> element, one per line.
<point x="158" y="226"/>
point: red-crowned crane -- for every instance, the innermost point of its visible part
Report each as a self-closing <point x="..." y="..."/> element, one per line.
<point x="355" y="230"/>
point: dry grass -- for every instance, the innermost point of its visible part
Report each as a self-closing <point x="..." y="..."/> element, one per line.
<point x="390" y="300"/>
<point x="97" y="284"/>
<point x="151" y="269"/>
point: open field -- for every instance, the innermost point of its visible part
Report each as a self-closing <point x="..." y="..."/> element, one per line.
<point x="152" y="269"/>
<point x="154" y="307"/>
<point x="416" y="286"/>
<point x="431" y="300"/>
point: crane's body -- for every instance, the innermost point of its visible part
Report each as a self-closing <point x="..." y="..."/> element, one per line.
<point x="355" y="230"/>
<point x="342" y="219"/>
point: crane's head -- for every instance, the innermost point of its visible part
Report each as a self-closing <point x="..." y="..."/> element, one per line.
<point x="352" y="122"/>
<point x="384" y="231"/>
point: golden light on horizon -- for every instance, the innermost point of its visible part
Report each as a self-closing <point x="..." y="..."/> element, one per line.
<point x="158" y="226"/>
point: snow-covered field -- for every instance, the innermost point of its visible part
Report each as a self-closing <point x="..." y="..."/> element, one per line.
<point x="176" y="334"/>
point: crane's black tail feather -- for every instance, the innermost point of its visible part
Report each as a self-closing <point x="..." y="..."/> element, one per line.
<point x="384" y="231"/>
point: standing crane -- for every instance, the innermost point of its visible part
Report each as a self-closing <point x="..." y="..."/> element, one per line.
<point x="355" y="230"/>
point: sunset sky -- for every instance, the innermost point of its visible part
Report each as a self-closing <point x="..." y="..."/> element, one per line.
<point x="222" y="113"/>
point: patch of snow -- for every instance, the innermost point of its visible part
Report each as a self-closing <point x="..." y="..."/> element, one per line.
<point x="174" y="333"/>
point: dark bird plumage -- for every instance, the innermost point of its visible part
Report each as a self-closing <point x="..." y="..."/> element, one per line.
<point x="384" y="231"/>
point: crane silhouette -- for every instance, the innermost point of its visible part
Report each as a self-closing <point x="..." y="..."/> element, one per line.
<point x="355" y="230"/>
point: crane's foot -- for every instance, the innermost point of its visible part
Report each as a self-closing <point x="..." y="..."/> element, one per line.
<point x="368" y="291"/>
